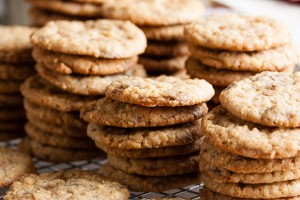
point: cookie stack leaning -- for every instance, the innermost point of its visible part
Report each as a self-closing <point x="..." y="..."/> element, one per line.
<point x="230" y="47"/>
<point x="75" y="62"/>
<point x="43" y="11"/>
<point x="16" y="64"/>
<point x="251" y="148"/>
<point x="150" y="129"/>
<point x="163" y="22"/>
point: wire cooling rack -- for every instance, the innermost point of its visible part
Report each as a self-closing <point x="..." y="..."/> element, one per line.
<point x="189" y="192"/>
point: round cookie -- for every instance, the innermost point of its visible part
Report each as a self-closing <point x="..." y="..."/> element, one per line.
<point x="229" y="133"/>
<point x="16" y="72"/>
<point x="55" y="154"/>
<point x="164" y="33"/>
<point x="24" y="146"/>
<point x="236" y="32"/>
<point x="269" y="98"/>
<point x="167" y="49"/>
<point x="113" y="113"/>
<point x="50" y="139"/>
<point x="160" y="91"/>
<point x="85" y="85"/>
<point x="54" y="116"/>
<point x="222" y="175"/>
<point x="154" y="12"/>
<point x="19" y="162"/>
<point x="163" y="65"/>
<point x="259" y="191"/>
<point x="70" y="8"/>
<point x="69" y="184"/>
<point x="99" y="38"/>
<point x="217" y="77"/>
<point x="156" y="166"/>
<point x="240" y="164"/>
<point x="151" y="152"/>
<point x="7" y="86"/>
<point x="11" y="100"/>
<point x="148" y="183"/>
<point x="276" y="59"/>
<point x="144" y="138"/>
<point x="69" y="64"/>
<point x="13" y="113"/>
<point x="57" y="129"/>
<point x="38" y="91"/>
<point x="209" y="195"/>
<point x="15" y="46"/>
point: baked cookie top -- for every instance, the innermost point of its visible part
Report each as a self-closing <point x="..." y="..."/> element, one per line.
<point x="99" y="38"/>
<point x="229" y="133"/>
<point x="61" y="185"/>
<point x="237" y="33"/>
<point x="269" y="98"/>
<point x="160" y="91"/>
<point x="154" y="12"/>
<point x="14" y="165"/>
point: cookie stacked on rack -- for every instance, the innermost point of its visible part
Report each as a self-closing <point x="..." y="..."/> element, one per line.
<point x="251" y="148"/>
<point x="162" y="21"/>
<point x="150" y="129"/>
<point x="230" y="47"/>
<point x="75" y="63"/>
<point x="43" y="11"/>
<point x="16" y="64"/>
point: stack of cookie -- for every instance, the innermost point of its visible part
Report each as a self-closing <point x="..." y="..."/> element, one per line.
<point x="162" y="21"/>
<point x="16" y="64"/>
<point x="43" y="11"/>
<point x="150" y="129"/>
<point x="230" y="47"/>
<point x="251" y="148"/>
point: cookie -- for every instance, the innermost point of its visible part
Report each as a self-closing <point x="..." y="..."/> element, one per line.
<point x="12" y="125"/>
<point x="161" y="91"/>
<point x="15" y="46"/>
<point x="167" y="49"/>
<point x="25" y="147"/>
<point x="16" y="72"/>
<point x="151" y="152"/>
<point x="236" y="32"/>
<point x="229" y="133"/>
<point x="7" y="86"/>
<point x="54" y="116"/>
<point x="11" y="100"/>
<point x="69" y="184"/>
<point x="222" y="175"/>
<point x="209" y="195"/>
<point x="240" y="164"/>
<point x="154" y="12"/>
<point x="69" y="64"/>
<point x="113" y="113"/>
<point x="256" y="191"/>
<point x="217" y="77"/>
<point x="276" y="59"/>
<point x="164" y="33"/>
<point x="70" y="8"/>
<point x="53" y="140"/>
<point x="144" y="138"/>
<point x="156" y="166"/>
<point x="57" y="129"/>
<point x="148" y="183"/>
<point x="162" y="64"/>
<point x="38" y="91"/>
<point x="19" y="162"/>
<point x="55" y="154"/>
<point x="99" y="38"/>
<point x="85" y="85"/>
<point x="12" y="113"/>
<point x="269" y="98"/>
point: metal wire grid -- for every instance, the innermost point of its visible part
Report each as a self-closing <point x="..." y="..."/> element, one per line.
<point x="189" y="192"/>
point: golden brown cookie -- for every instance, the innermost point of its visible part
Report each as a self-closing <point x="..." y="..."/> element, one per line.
<point x="16" y="72"/>
<point x="164" y="33"/>
<point x="167" y="49"/>
<point x="112" y="113"/>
